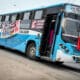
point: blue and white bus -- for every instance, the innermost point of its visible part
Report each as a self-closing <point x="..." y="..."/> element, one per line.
<point x="52" y="32"/>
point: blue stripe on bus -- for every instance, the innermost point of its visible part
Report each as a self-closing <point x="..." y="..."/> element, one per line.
<point x="13" y="41"/>
<point x="18" y="41"/>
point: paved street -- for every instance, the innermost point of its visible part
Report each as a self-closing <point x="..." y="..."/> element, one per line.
<point x="14" y="66"/>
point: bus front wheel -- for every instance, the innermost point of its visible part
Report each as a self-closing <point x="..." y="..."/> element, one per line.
<point x="31" y="51"/>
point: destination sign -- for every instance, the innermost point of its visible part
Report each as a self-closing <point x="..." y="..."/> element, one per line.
<point x="73" y="9"/>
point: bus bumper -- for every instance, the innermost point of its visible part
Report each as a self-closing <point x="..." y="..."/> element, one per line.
<point x="62" y="57"/>
<point x="76" y="58"/>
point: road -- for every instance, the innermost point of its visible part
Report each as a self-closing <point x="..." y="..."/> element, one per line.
<point x="14" y="66"/>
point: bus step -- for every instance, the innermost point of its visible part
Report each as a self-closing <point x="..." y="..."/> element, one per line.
<point x="47" y="53"/>
<point x="45" y="58"/>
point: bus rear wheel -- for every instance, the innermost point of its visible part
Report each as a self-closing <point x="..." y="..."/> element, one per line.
<point x="31" y="51"/>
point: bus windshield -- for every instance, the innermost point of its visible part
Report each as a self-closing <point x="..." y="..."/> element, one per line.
<point x="70" y="30"/>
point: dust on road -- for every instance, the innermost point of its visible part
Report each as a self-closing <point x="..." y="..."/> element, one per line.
<point x="17" y="67"/>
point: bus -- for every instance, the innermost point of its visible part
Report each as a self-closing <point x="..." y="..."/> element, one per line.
<point x="51" y="32"/>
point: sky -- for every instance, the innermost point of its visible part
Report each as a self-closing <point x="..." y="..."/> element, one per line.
<point x="16" y="5"/>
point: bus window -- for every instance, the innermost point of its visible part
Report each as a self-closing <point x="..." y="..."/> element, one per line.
<point x="7" y="18"/>
<point x="38" y="14"/>
<point x="26" y="16"/>
<point x="13" y="18"/>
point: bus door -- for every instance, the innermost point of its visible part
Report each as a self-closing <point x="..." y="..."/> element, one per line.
<point x="48" y="35"/>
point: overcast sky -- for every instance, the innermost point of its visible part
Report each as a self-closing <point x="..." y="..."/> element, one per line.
<point x="16" y="5"/>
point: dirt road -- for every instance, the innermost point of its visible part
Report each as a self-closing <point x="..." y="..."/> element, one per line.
<point x="17" y="67"/>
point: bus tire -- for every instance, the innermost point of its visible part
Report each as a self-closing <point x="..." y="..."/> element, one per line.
<point x="31" y="51"/>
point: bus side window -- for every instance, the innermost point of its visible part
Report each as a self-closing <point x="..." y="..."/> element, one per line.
<point x="26" y="16"/>
<point x="38" y="14"/>
<point x="3" y="18"/>
<point x="13" y="17"/>
<point x="7" y="18"/>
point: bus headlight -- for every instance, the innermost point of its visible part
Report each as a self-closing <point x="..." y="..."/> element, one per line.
<point x="64" y="48"/>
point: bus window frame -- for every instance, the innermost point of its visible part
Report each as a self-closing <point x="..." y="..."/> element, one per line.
<point x="18" y="16"/>
<point x="21" y="15"/>
<point x="3" y="18"/>
<point x="0" y="18"/>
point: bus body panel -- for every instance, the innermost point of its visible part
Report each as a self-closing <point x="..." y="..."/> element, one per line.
<point x="19" y="41"/>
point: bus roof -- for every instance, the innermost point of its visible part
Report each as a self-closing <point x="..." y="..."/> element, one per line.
<point x="40" y="7"/>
